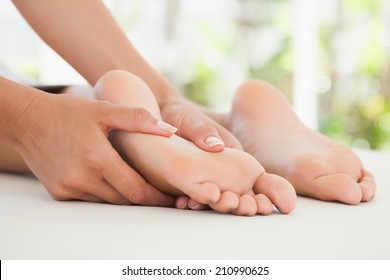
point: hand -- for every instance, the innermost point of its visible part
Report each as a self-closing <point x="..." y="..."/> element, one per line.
<point x="63" y="139"/>
<point x="195" y="126"/>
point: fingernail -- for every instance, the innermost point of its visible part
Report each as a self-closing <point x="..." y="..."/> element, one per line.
<point x="213" y="141"/>
<point x="166" y="126"/>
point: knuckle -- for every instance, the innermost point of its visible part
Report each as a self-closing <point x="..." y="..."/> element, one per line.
<point x="72" y="182"/>
<point x="136" y="195"/>
<point x="140" y="114"/>
<point x="60" y="193"/>
<point x="95" y="158"/>
<point x="185" y="122"/>
<point x="198" y="124"/>
<point x="209" y="129"/>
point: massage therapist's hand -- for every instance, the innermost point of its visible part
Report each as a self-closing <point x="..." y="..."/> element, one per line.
<point x="195" y="126"/>
<point x="92" y="32"/>
<point x="63" y="139"/>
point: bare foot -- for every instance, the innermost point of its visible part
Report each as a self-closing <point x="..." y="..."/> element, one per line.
<point x="318" y="167"/>
<point x="222" y="180"/>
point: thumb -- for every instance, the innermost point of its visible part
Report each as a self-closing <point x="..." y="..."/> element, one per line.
<point x="136" y="120"/>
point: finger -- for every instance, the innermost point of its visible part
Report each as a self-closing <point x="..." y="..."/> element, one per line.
<point x="92" y="190"/>
<point x="68" y="194"/>
<point x="219" y="121"/>
<point x="105" y="192"/>
<point x="132" y="186"/>
<point x="89" y="198"/>
<point x="203" y="135"/>
<point x="135" y="120"/>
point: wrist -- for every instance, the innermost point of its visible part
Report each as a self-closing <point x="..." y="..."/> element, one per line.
<point x="20" y="114"/>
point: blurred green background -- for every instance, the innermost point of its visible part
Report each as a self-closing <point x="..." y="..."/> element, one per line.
<point x="213" y="47"/>
<point x="356" y="108"/>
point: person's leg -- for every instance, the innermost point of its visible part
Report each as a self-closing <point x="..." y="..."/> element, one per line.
<point x="176" y="166"/>
<point x="318" y="167"/>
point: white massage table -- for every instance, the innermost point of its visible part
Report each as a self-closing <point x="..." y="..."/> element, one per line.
<point x="34" y="226"/>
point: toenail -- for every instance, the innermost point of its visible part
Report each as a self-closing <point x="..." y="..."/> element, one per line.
<point x="180" y="204"/>
<point x="213" y="141"/>
<point x="192" y="203"/>
<point x="196" y="207"/>
<point x="211" y="202"/>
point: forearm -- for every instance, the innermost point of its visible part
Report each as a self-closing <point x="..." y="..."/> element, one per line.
<point x="86" y="35"/>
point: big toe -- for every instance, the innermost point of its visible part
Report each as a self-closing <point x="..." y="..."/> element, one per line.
<point x="335" y="187"/>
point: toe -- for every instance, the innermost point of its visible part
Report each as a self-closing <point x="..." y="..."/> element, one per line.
<point x="227" y="202"/>
<point x="182" y="202"/>
<point x="194" y="205"/>
<point x="367" y="185"/>
<point x="247" y="206"/>
<point x="335" y="187"/>
<point x="264" y="204"/>
<point x="203" y="193"/>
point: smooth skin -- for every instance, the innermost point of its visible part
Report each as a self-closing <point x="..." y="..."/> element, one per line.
<point x="317" y="166"/>
<point x="46" y="131"/>
<point x="93" y="44"/>
<point x="64" y="159"/>
<point x="225" y="180"/>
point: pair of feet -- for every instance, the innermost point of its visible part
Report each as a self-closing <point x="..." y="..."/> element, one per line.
<point x="303" y="161"/>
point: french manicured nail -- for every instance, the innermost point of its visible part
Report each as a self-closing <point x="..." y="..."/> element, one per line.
<point x="166" y="126"/>
<point x="214" y="141"/>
